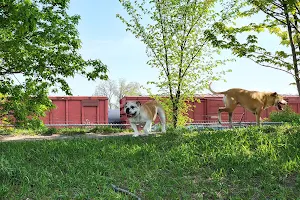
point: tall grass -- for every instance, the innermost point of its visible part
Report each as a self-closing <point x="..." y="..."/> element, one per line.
<point x="250" y="163"/>
<point x="287" y="115"/>
<point x="63" y="131"/>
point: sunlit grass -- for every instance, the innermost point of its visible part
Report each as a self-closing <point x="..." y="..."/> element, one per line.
<point x="252" y="163"/>
<point x="106" y="130"/>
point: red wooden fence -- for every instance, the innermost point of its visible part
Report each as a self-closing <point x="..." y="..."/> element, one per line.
<point x="207" y="109"/>
<point x="78" y="110"/>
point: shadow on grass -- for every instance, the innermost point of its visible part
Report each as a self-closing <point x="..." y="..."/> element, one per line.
<point x="250" y="163"/>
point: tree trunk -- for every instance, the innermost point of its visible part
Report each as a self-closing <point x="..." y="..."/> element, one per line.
<point x="175" y="114"/>
<point x="296" y="70"/>
<point x="297" y="76"/>
<point x="297" y="79"/>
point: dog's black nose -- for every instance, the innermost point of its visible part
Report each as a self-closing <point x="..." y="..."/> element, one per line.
<point x="127" y="110"/>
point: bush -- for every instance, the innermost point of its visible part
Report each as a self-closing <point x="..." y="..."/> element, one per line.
<point x="6" y="130"/>
<point x="72" y="130"/>
<point x="48" y="131"/>
<point x="106" y="130"/>
<point x="287" y="115"/>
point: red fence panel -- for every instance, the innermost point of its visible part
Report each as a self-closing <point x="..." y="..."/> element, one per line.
<point x="78" y="110"/>
<point x="207" y="110"/>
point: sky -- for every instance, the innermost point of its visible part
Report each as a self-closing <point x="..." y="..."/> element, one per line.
<point x="104" y="37"/>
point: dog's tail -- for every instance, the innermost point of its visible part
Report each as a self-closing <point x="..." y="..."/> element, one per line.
<point x="214" y="92"/>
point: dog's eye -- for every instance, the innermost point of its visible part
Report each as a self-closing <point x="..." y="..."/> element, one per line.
<point x="132" y="107"/>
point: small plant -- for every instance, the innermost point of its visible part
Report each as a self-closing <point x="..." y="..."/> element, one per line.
<point x="72" y="131"/>
<point x="106" y="130"/>
<point x="49" y="131"/>
<point x="6" y="130"/>
<point x="287" y="115"/>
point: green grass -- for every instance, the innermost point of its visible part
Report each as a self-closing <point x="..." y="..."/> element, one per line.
<point x="63" y="131"/>
<point x="14" y="131"/>
<point x="252" y="163"/>
<point x="287" y="116"/>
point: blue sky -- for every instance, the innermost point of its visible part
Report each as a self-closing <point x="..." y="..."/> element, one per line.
<point x="104" y="37"/>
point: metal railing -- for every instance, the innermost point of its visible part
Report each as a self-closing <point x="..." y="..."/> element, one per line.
<point x="49" y="125"/>
<point x="156" y="127"/>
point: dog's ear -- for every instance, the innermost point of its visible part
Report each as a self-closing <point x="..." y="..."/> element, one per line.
<point x="274" y="94"/>
<point x="138" y="103"/>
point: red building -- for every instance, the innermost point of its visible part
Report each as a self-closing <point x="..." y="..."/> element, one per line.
<point x="207" y="110"/>
<point x="78" y="110"/>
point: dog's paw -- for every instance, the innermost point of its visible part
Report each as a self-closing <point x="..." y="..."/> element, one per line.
<point x="135" y="135"/>
<point x="147" y="132"/>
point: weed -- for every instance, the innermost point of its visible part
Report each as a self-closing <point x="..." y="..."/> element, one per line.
<point x="49" y="131"/>
<point x="287" y="115"/>
<point x="72" y="131"/>
<point x="106" y="130"/>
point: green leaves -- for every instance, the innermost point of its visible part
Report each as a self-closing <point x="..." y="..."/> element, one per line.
<point x="44" y="43"/>
<point x="40" y="41"/>
<point x="281" y="19"/>
<point x="23" y="105"/>
<point x="175" y="35"/>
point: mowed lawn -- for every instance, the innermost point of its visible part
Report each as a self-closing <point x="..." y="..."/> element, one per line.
<point x="251" y="163"/>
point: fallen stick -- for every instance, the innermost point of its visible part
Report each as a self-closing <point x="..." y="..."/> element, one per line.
<point x="117" y="189"/>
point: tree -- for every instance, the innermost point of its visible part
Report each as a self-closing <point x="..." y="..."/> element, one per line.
<point x="39" y="43"/>
<point x="173" y="32"/>
<point x="130" y="89"/>
<point x="27" y="104"/>
<point x="107" y="88"/>
<point x="281" y="19"/>
<point x="116" y="91"/>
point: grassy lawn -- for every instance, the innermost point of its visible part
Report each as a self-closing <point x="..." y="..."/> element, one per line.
<point x="104" y="130"/>
<point x="252" y="163"/>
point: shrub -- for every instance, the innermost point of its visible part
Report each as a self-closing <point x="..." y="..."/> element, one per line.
<point x="106" y="130"/>
<point x="287" y="115"/>
<point x="49" y="131"/>
<point x="72" y="130"/>
<point x="6" y="130"/>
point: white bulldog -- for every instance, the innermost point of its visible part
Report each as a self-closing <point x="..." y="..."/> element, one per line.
<point x="144" y="114"/>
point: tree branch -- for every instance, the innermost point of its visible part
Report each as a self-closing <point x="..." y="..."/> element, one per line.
<point x="270" y="57"/>
<point x="165" y="49"/>
<point x="297" y="8"/>
<point x="193" y="57"/>
<point x="271" y="13"/>
<point x="4" y="71"/>
<point x="268" y="66"/>
<point x="281" y="21"/>
<point x="278" y="5"/>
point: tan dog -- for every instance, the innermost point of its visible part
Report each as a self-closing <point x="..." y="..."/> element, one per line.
<point x="144" y="114"/>
<point x="253" y="101"/>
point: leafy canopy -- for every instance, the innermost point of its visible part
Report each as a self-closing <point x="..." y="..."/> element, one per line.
<point x="174" y="34"/>
<point x="117" y="90"/>
<point x="39" y="45"/>
<point x="280" y="18"/>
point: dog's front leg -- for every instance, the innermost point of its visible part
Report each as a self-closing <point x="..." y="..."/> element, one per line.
<point x="147" y="128"/>
<point x="230" y="119"/>
<point x="163" y="127"/>
<point x="219" y="116"/>
<point x="258" y="118"/>
<point x="136" y="132"/>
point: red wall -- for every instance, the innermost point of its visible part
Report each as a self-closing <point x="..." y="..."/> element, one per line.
<point x="78" y="110"/>
<point x="207" y="110"/>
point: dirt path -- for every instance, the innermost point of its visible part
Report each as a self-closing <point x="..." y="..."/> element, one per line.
<point x="5" y="138"/>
